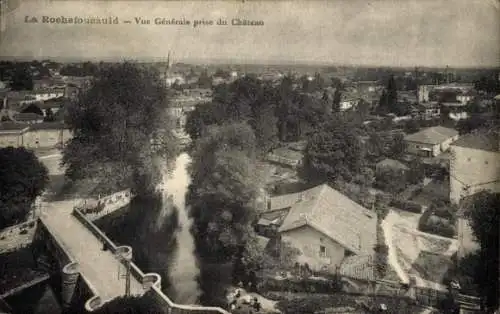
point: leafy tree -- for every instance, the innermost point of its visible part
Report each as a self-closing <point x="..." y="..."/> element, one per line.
<point x="398" y="146"/>
<point x="132" y="305"/>
<point x="488" y="84"/>
<point x="472" y="123"/>
<point x="223" y="191"/>
<point x="389" y="98"/>
<point x="411" y="126"/>
<point x="199" y="119"/>
<point x="337" y="97"/>
<point x="375" y="146"/>
<point x="49" y="115"/>
<point x="483" y="214"/>
<point x="22" y="78"/>
<point x="390" y="180"/>
<point x="204" y="81"/>
<point x="363" y="108"/>
<point x="114" y="124"/>
<point x="416" y="174"/>
<point x="22" y="178"/>
<point x="334" y="152"/>
<point x="265" y="127"/>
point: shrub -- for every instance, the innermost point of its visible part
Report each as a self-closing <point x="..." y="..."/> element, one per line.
<point x="438" y="226"/>
<point x="31" y="224"/>
<point x="24" y="231"/>
<point x="273" y="296"/>
<point x="407" y="205"/>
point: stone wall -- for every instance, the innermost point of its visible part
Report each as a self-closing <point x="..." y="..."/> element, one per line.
<point x="111" y="204"/>
<point x="150" y="281"/>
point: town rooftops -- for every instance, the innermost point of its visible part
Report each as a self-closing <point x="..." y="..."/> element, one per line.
<point x="433" y="135"/>
<point x="483" y="139"/>
<point x="336" y="216"/>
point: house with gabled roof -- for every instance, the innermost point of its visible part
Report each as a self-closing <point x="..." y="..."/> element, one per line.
<point x="326" y="226"/>
<point x="430" y="142"/>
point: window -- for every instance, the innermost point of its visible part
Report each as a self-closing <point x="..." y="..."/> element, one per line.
<point x="322" y="251"/>
<point x="485" y="162"/>
<point x="418" y="146"/>
<point x="468" y="159"/>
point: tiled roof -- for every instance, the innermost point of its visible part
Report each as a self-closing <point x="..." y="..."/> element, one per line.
<point x="433" y="135"/>
<point x="12" y="126"/>
<point x="27" y="116"/>
<point x="488" y="140"/>
<point x="335" y="215"/>
<point x="48" y="126"/>
<point x="288" y="200"/>
<point x="391" y="163"/>
<point x="52" y="103"/>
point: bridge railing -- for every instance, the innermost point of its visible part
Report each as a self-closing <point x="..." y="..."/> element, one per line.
<point x="150" y="281"/>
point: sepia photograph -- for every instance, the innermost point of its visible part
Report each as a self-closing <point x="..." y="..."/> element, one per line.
<point x="249" y="156"/>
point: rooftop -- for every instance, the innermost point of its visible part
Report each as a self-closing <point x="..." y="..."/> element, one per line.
<point x="27" y="116"/>
<point x="482" y="139"/>
<point x="335" y="215"/>
<point x="433" y="135"/>
<point x="391" y="163"/>
<point x="12" y="126"/>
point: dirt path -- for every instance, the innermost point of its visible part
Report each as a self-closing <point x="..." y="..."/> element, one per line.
<point x="387" y="225"/>
<point x="393" y="220"/>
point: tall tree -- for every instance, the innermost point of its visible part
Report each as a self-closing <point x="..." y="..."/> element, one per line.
<point x="223" y="191"/>
<point x="334" y="153"/>
<point x="115" y="124"/>
<point x="22" y="178"/>
<point x="204" y="81"/>
<point x="483" y="213"/>
<point x="337" y="97"/>
<point x="392" y="94"/>
<point x="22" y="78"/>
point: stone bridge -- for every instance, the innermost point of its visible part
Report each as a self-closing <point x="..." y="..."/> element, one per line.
<point x="86" y="268"/>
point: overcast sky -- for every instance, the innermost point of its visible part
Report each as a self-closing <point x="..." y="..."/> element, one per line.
<point x="378" y="32"/>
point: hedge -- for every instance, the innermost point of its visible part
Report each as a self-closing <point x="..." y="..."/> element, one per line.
<point x="299" y="285"/>
<point x="407" y="205"/>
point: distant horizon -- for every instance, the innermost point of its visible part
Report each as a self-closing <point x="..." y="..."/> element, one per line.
<point x="211" y="62"/>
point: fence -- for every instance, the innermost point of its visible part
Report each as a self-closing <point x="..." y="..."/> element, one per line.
<point x="150" y="281"/>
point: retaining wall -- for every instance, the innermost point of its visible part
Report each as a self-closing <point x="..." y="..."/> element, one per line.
<point x="110" y="204"/>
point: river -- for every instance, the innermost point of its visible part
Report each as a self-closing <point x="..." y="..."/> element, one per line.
<point x="183" y="271"/>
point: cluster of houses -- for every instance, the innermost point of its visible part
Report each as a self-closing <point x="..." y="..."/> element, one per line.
<point x="333" y="232"/>
<point x="35" y="118"/>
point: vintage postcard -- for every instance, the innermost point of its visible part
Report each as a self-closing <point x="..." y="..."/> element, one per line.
<point x="246" y="156"/>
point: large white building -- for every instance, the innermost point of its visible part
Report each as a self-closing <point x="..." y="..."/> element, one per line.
<point x="475" y="164"/>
